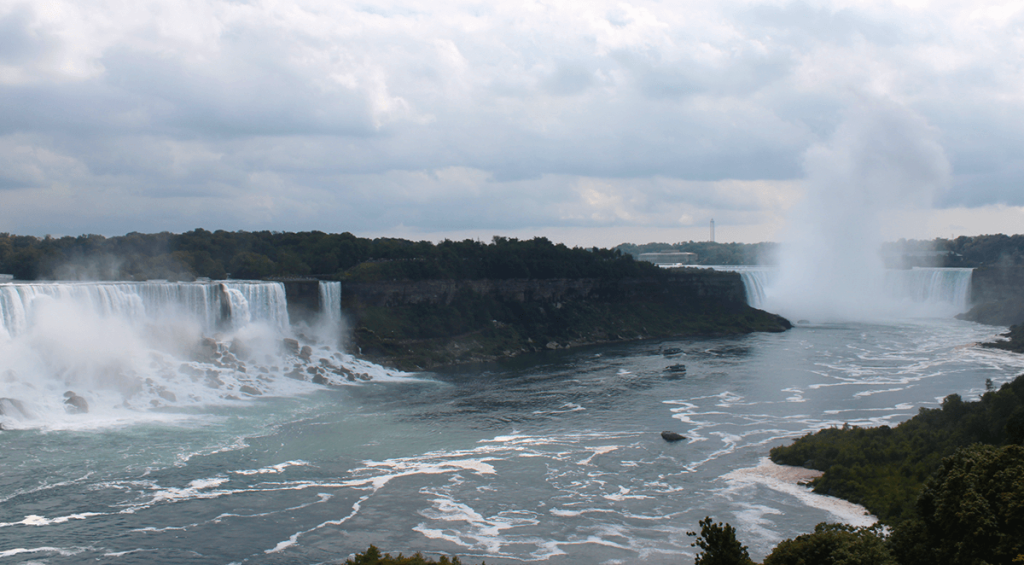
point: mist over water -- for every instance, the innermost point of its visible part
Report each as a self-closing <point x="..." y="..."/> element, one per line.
<point x="134" y="352"/>
<point x="882" y="158"/>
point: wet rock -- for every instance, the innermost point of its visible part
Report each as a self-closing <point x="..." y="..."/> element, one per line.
<point x="312" y="370"/>
<point x="239" y="349"/>
<point x="206" y="350"/>
<point x="320" y="379"/>
<point x="75" y="404"/>
<point x="295" y="374"/>
<point x="672" y="436"/>
<point x="14" y="408"/>
<point x="291" y="345"/>
<point x="168" y="396"/>
<point x="363" y="377"/>
<point x="306" y="352"/>
<point x="678" y="369"/>
<point x="251" y="391"/>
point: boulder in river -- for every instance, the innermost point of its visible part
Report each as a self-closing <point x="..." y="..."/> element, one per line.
<point x="672" y="436"/>
<point x="75" y="404"/>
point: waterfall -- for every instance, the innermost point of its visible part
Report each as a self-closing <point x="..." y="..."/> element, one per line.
<point x="917" y="291"/>
<point x="140" y="301"/>
<point x="330" y="300"/>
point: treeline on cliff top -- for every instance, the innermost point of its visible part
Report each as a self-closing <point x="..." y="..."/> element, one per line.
<point x="710" y="252"/>
<point x="265" y="254"/>
<point x="963" y="251"/>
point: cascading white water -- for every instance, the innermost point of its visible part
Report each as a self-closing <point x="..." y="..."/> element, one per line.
<point x="125" y="348"/>
<point x="204" y="302"/>
<point x="330" y="300"/>
<point x="909" y="292"/>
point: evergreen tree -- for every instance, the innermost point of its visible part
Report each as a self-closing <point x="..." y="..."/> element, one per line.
<point x="719" y="545"/>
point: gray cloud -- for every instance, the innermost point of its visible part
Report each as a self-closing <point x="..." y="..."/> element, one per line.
<point x="439" y="118"/>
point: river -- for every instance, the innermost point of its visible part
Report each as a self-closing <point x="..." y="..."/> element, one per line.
<point x="553" y="458"/>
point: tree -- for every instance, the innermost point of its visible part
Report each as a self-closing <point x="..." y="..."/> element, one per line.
<point x="971" y="511"/>
<point x="833" y="544"/>
<point x="719" y="545"/>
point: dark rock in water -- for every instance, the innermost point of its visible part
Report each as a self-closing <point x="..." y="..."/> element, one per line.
<point x="678" y="369"/>
<point x="291" y="345"/>
<point x="168" y="396"/>
<point x="75" y="404"/>
<point x="672" y="436"/>
<point x="671" y="351"/>
<point x="320" y="380"/>
<point x="251" y="391"/>
<point x="306" y="352"/>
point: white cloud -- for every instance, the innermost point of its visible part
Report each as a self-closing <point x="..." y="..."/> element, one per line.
<point x="435" y="118"/>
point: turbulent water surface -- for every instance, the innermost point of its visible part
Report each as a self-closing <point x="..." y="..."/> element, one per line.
<point x="554" y="458"/>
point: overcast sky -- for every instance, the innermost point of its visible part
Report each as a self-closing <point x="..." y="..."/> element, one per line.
<point x="592" y="123"/>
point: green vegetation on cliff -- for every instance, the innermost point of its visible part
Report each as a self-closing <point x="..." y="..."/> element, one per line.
<point x="710" y="252"/>
<point x="259" y="255"/>
<point x="884" y="468"/>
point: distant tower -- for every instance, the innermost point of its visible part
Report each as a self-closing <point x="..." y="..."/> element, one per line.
<point x="712" y="230"/>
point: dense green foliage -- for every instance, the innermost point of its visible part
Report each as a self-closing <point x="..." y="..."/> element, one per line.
<point x="971" y="511"/>
<point x="885" y="468"/>
<point x="258" y="255"/>
<point x="834" y="544"/>
<point x="372" y="556"/>
<point x="710" y="253"/>
<point x="977" y="251"/>
<point x="719" y="545"/>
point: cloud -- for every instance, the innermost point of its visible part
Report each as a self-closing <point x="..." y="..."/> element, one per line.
<point x="461" y="116"/>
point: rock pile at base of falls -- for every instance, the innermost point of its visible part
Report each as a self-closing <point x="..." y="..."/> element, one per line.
<point x="293" y="359"/>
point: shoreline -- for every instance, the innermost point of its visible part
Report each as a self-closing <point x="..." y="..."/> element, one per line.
<point x="794" y="481"/>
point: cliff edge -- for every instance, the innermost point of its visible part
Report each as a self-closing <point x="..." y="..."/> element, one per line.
<point x="417" y="325"/>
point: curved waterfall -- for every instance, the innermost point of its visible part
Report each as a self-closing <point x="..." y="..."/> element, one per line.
<point x="945" y="289"/>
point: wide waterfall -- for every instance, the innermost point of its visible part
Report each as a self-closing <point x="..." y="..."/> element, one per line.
<point x="920" y="292"/>
<point x="216" y="306"/>
<point x="77" y="351"/>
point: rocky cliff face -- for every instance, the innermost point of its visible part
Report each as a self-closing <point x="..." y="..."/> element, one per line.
<point x="719" y="286"/>
<point x="420" y="324"/>
<point x="997" y="294"/>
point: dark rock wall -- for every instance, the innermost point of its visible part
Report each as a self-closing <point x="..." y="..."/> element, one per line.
<point x="997" y="296"/>
<point x="303" y="299"/>
<point x="682" y="285"/>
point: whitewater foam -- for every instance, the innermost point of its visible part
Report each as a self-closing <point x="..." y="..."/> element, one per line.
<point x="141" y="352"/>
